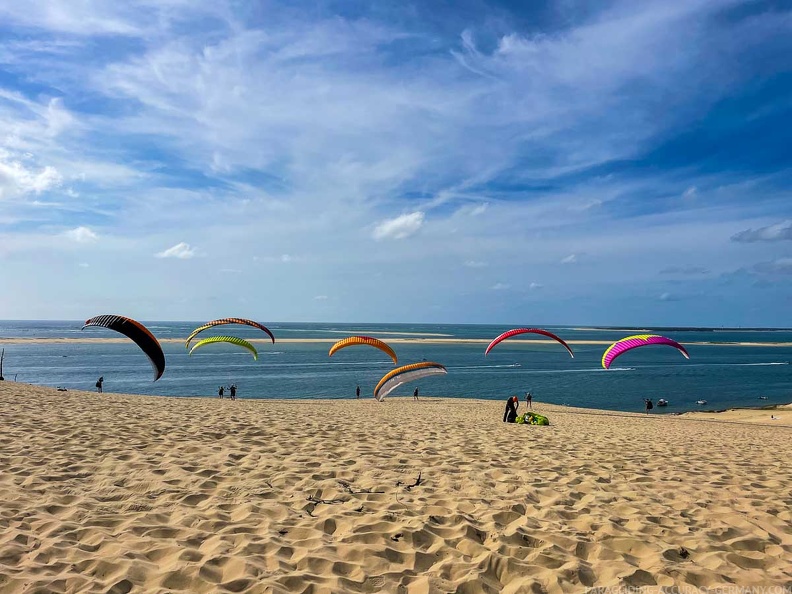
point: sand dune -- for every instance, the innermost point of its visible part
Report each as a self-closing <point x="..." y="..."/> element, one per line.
<point x="113" y="493"/>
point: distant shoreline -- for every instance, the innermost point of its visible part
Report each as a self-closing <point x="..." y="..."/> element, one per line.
<point x="780" y="414"/>
<point x="397" y="340"/>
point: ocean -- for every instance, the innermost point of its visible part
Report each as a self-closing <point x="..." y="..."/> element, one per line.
<point x="727" y="367"/>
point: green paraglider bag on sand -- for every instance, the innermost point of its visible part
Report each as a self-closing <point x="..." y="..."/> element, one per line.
<point x="532" y="418"/>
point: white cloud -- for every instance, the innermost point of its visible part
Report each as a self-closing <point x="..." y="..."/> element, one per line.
<point x="321" y="298"/>
<point x="778" y="266"/>
<point x="500" y="287"/>
<point x="534" y="286"/>
<point x="81" y="235"/>
<point x="690" y="193"/>
<point x="585" y="205"/>
<point x="686" y="270"/>
<point x="570" y="259"/>
<point x="16" y="179"/>
<point x="779" y="232"/>
<point x="477" y="210"/>
<point x="182" y="251"/>
<point x="399" y="228"/>
<point x="475" y="264"/>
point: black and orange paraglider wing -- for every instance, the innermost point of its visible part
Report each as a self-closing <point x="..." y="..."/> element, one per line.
<point x="138" y="334"/>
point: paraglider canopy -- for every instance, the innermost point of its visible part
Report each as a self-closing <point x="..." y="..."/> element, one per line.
<point x="401" y="375"/>
<point x="364" y="340"/>
<point x="136" y="332"/>
<point x="223" y="321"/>
<point x="227" y="339"/>
<point x="628" y="343"/>
<point x="517" y="331"/>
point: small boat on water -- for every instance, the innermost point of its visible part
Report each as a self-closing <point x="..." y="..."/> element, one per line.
<point x="762" y="397"/>
<point x="662" y="402"/>
<point x="701" y="402"/>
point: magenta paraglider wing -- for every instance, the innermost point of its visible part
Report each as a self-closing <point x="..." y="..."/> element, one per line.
<point x="633" y="342"/>
<point x="516" y="331"/>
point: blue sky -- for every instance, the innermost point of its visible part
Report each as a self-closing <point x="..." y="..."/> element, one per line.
<point x="473" y="162"/>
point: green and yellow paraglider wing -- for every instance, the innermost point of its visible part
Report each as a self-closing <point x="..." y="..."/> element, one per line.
<point x="223" y="321"/>
<point x="228" y="339"/>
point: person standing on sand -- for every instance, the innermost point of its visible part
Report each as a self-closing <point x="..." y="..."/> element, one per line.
<point x="415" y="394"/>
<point x="233" y="391"/>
<point x="529" y="400"/>
<point x="99" y="383"/>
<point x="221" y="391"/>
<point x="648" y="404"/>
<point x="357" y="392"/>
<point x="510" y="414"/>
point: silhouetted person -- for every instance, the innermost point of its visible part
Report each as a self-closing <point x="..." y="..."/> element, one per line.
<point x="415" y="394"/>
<point x="510" y="414"/>
<point x="221" y="391"/>
<point x="648" y="404"/>
<point x="357" y="392"/>
<point x="99" y="383"/>
<point x="529" y="400"/>
<point x="233" y="391"/>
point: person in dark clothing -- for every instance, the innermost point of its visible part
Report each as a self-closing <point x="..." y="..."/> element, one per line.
<point x="529" y="399"/>
<point x="99" y="383"/>
<point x="648" y="404"/>
<point x="221" y="391"/>
<point x="415" y="394"/>
<point x="233" y="391"/>
<point x="510" y="414"/>
<point x="357" y="392"/>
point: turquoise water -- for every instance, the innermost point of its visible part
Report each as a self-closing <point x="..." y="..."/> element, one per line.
<point x="725" y="376"/>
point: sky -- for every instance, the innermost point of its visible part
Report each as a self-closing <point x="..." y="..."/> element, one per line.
<point x="565" y="162"/>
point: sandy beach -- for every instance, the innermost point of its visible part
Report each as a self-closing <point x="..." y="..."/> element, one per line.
<point x="770" y="415"/>
<point x="116" y="493"/>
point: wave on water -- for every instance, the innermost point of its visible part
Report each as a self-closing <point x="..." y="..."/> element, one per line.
<point x="529" y="370"/>
<point x="684" y="365"/>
